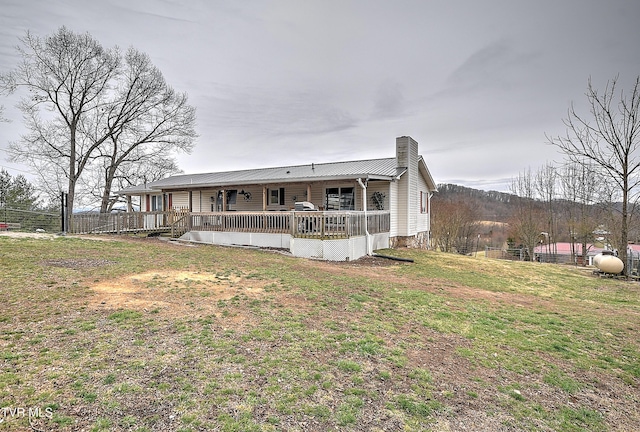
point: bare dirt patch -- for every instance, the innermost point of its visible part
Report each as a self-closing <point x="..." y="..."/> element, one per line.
<point x="172" y="293"/>
<point x="16" y="234"/>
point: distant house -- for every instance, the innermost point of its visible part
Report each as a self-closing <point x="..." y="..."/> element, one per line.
<point x="358" y="206"/>
<point x="561" y="253"/>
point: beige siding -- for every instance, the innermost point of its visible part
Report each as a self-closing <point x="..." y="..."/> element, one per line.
<point x="292" y="194"/>
<point x="180" y="200"/>
<point x="206" y="204"/>
<point x="195" y="201"/>
<point x="317" y="194"/>
<point x="205" y="200"/>
<point x="248" y="203"/>
<point x="319" y="191"/>
<point x="381" y="187"/>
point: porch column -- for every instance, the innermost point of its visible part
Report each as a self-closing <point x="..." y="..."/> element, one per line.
<point x="264" y="198"/>
<point x="363" y="185"/>
<point x="309" y="193"/>
<point x="224" y="200"/>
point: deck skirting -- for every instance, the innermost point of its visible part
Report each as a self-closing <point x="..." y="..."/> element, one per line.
<point x="345" y="249"/>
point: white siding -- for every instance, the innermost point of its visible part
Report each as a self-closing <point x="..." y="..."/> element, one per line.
<point x="393" y="208"/>
<point x="423" y="218"/>
<point x="408" y="196"/>
<point x="414" y="195"/>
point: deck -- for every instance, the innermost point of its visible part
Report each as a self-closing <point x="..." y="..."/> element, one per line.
<point x="299" y="224"/>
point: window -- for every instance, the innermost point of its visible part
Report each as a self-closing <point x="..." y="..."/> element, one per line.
<point x="339" y="198"/>
<point x="156" y="202"/>
<point x="424" y="202"/>
<point x="232" y="196"/>
<point x="276" y="196"/>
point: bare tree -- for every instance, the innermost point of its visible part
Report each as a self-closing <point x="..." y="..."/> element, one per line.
<point x="147" y="121"/>
<point x="454" y="226"/>
<point x="87" y="108"/>
<point x="527" y="222"/>
<point x="66" y="76"/>
<point x="546" y="180"/>
<point x="579" y="185"/>
<point x="608" y="137"/>
<point x="146" y="169"/>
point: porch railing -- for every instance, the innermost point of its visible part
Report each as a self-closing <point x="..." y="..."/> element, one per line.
<point x="125" y="222"/>
<point x="314" y="224"/>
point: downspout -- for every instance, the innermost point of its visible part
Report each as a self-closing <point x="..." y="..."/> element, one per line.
<point x="429" y="215"/>
<point x="366" y="221"/>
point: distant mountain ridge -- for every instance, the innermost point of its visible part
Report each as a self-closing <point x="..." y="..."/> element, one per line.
<point x="492" y="205"/>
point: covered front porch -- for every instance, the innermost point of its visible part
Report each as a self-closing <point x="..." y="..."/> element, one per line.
<point x="331" y="235"/>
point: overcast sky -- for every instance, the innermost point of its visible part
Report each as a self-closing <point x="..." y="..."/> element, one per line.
<point x="476" y="83"/>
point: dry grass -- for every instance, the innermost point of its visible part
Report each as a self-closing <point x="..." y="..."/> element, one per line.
<point x="140" y="334"/>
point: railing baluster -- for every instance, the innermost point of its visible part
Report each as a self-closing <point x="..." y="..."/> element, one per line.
<point x="299" y="224"/>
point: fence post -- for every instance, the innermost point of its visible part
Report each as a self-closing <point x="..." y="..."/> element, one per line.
<point x="292" y="222"/>
<point x="63" y="213"/>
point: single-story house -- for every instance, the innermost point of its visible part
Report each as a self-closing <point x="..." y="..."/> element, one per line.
<point x="335" y="211"/>
<point x="561" y="252"/>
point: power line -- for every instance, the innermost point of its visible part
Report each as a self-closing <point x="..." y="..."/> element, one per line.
<point x="16" y="169"/>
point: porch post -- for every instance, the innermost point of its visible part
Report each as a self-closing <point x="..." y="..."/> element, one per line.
<point x="366" y="221"/>
<point x="264" y="198"/>
<point x="309" y="193"/>
<point x="224" y="200"/>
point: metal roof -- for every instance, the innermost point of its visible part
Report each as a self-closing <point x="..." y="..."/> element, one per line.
<point x="383" y="169"/>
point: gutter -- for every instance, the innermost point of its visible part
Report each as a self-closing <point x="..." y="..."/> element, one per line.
<point x="259" y="182"/>
<point x="366" y="220"/>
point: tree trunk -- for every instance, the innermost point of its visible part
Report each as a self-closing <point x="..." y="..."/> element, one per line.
<point x="108" y="184"/>
<point x="72" y="176"/>
<point x="624" y="230"/>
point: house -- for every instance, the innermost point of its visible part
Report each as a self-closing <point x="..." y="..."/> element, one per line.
<point x="565" y="252"/>
<point x="359" y="206"/>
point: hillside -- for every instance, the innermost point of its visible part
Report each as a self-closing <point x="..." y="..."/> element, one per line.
<point x="492" y="205"/>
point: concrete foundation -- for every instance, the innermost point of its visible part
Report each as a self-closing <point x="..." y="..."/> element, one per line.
<point x="419" y="241"/>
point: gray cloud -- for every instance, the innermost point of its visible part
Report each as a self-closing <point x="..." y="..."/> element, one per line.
<point x="389" y="100"/>
<point x="477" y="84"/>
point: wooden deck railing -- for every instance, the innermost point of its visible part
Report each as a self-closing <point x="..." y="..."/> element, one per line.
<point x="117" y="223"/>
<point x="314" y="224"/>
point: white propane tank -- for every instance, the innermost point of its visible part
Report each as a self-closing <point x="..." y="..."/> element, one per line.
<point x="608" y="263"/>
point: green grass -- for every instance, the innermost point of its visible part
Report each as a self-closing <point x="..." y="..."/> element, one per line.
<point x="296" y="342"/>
